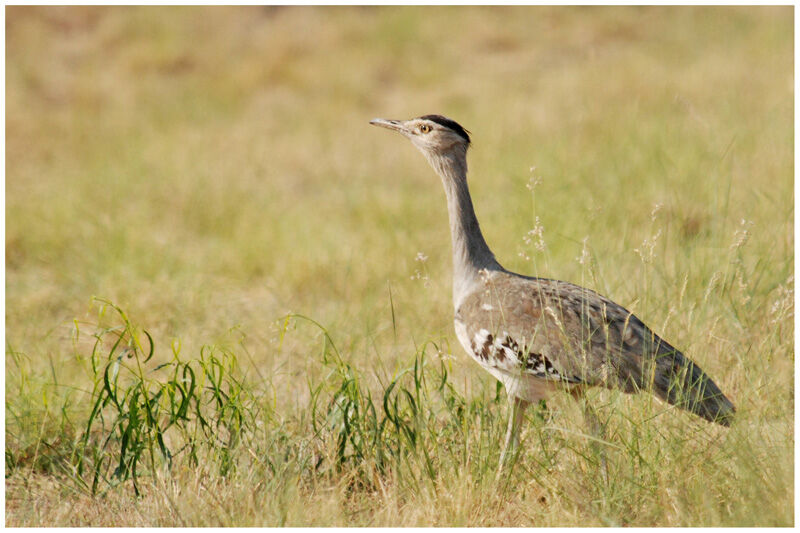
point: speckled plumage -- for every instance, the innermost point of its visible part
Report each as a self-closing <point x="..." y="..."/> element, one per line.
<point x="570" y="336"/>
<point x="540" y="335"/>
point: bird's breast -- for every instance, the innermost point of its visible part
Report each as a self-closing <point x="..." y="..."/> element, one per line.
<point x="530" y="377"/>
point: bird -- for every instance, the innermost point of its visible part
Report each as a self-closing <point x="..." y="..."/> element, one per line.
<point x="537" y="335"/>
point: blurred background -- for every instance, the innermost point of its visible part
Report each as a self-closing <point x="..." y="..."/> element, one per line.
<point x="213" y="168"/>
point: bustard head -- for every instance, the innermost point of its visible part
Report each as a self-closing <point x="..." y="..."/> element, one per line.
<point x="434" y="135"/>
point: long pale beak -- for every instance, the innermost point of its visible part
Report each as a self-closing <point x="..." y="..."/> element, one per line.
<point x="396" y="125"/>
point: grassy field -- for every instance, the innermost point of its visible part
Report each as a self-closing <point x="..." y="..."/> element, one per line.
<point x="205" y="181"/>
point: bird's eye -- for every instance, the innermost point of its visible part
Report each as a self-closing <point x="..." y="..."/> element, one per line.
<point x="424" y="128"/>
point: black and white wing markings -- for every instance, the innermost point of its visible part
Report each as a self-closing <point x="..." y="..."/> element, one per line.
<point x="504" y="352"/>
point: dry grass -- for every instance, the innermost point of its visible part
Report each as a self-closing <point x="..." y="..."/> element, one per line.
<point x="212" y="168"/>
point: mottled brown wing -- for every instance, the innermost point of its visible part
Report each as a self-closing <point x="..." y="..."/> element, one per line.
<point x="583" y="336"/>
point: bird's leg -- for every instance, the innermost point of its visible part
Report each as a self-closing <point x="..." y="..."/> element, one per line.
<point x="515" y="418"/>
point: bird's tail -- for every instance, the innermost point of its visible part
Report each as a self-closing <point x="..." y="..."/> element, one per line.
<point x="680" y="382"/>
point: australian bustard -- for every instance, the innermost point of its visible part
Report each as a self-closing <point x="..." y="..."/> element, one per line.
<point x="539" y="335"/>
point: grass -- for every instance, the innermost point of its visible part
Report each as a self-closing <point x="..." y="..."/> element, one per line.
<point x="184" y="186"/>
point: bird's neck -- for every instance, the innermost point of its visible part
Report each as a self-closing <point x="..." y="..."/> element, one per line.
<point x="471" y="254"/>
